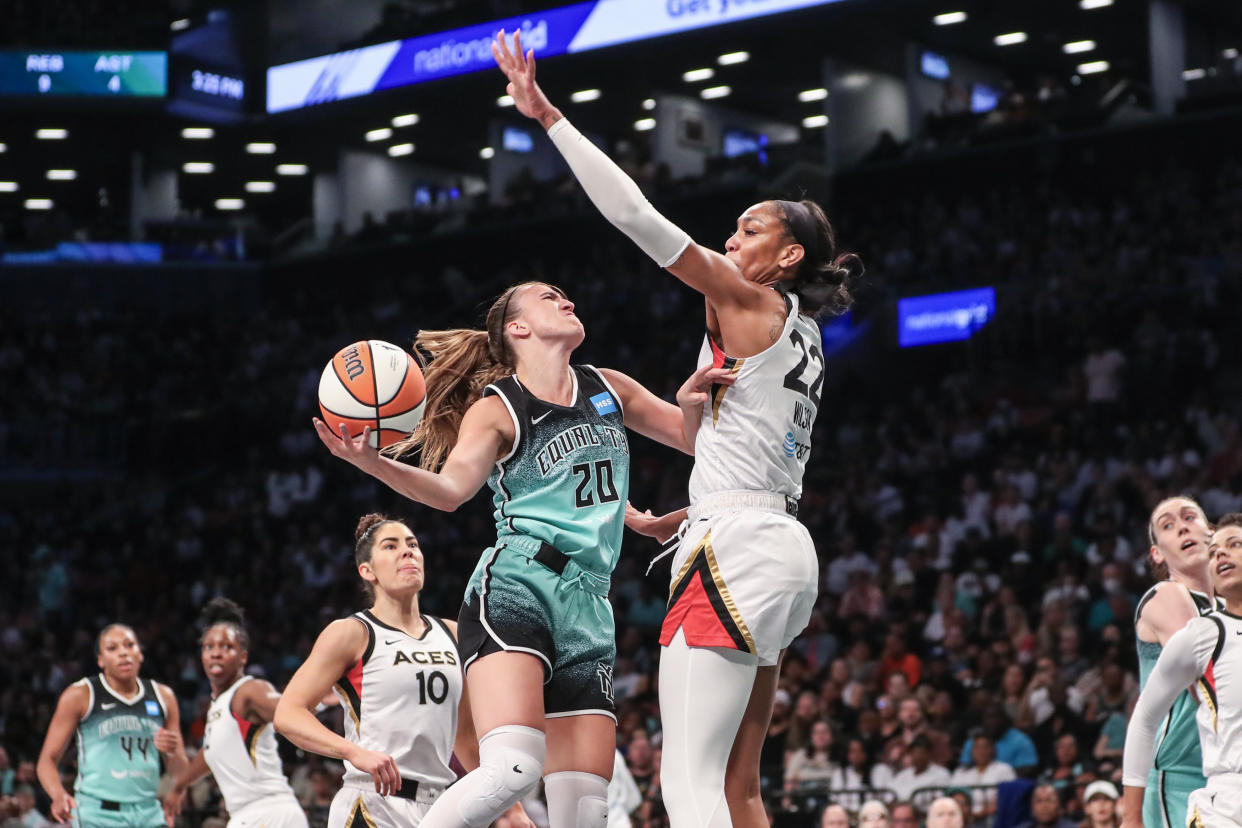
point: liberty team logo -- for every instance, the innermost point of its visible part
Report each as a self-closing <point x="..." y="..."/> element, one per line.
<point x="605" y="679"/>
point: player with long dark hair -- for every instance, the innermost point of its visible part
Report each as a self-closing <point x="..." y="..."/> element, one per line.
<point x="745" y="574"/>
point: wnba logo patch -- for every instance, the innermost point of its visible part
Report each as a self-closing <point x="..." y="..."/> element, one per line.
<point x="604" y="403"/>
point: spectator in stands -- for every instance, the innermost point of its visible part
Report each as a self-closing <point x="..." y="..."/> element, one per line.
<point x="1066" y="766"/>
<point x="920" y="772"/>
<point x="904" y="815"/>
<point x="1101" y="799"/>
<point x="812" y="764"/>
<point x="984" y="771"/>
<point x="873" y="814"/>
<point x="1046" y="809"/>
<point x="1013" y="747"/>
<point x="855" y="774"/>
<point x="897" y="659"/>
<point x="913" y="719"/>
<point x="834" y="816"/>
<point x="945" y="812"/>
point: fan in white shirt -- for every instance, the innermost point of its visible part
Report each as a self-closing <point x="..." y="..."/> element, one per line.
<point x="920" y="773"/>
<point x="985" y="771"/>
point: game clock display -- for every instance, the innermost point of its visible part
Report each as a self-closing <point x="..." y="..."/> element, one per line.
<point x="94" y="74"/>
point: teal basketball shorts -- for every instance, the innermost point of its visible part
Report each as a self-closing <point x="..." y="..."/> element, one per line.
<point x="527" y="597"/>
<point x="93" y="812"/>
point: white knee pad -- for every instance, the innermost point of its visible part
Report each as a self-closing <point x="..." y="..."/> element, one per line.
<point x="576" y="800"/>
<point x="510" y="763"/>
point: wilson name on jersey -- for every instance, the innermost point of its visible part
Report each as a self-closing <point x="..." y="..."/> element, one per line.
<point x="401" y="699"/>
<point x="241" y="754"/>
<point x="117" y="757"/>
<point x="755" y="435"/>
<point x="567" y="477"/>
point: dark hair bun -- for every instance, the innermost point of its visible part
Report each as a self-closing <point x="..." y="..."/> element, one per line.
<point x="221" y="610"/>
<point x="365" y="523"/>
<point x="826" y="277"/>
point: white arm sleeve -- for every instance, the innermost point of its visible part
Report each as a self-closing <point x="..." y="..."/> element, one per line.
<point x="1182" y="661"/>
<point x="617" y="197"/>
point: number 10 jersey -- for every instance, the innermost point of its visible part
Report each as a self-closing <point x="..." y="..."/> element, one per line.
<point x="755" y="435"/>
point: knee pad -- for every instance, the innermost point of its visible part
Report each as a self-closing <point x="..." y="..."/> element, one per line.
<point x="576" y="800"/>
<point x="510" y="763"/>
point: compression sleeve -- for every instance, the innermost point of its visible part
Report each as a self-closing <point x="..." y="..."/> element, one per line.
<point x="1183" y="660"/>
<point x="617" y="197"/>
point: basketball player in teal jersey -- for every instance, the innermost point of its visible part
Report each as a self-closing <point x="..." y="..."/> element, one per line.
<point x="506" y="407"/>
<point x="1179" y="534"/>
<point x="124" y="724"/>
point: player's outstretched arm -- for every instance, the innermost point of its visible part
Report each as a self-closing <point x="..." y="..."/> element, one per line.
<point x="673" y="425"/>
<point x="70" y="709"/>
<point x="1183" y="660"/>
<point x="616" y="195"/>
<point x="484" y="429"/>
<point x="195" y="770"/>
<point x="338" y="648"/>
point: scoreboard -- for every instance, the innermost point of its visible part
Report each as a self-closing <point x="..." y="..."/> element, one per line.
<point x="87" y="74"/>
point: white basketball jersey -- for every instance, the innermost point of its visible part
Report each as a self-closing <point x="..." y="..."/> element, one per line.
<point x="756" y="434"/>
<point x="1220" y="692"/>
<point x="401" y="699"/>
<point x="242" y="755"/>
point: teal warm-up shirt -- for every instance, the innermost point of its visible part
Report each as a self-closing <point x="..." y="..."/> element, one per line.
<point x="567" y="478"/>
<point x="117" y="758"/>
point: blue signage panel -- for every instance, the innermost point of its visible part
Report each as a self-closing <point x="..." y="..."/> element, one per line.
<point x="577" y="28"/>
<point x="103" y="74"/>
<point x="944" y="317"/>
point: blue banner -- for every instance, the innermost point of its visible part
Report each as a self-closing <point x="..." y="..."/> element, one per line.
<point x="944" y="317"/>
<point x="578" y="28"/>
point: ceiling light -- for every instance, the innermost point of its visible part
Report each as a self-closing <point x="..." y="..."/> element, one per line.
<point x="854" y="80"/>
<point x="814" y="121"/>
<point x="401" y="149"/>
<point x="645" y="124"/>
<point x="714" y="92"/>
<point x="229" y="204"/>
<point x="585" y="95"/>
<point x="291" y="169"/>
<point x="1194" y="74"/>
<point x="487" y="153"/>
<point x="1077" y="46"/>
<point x="1093" y="67"/>
<point x="1228" y="54"/>
<point x="4" y="147"/>
<point x="260" y="148"/>
<point x="1010" y="39"/>
<point x="405" y="120"/>
<point x="62" y="175"/>
<point x="38" y="204"/>
<point x="260" y="186"/>
<point x="381" y="134"/>
<point x="949" y="18"/>
<point x="696" y="75"/>
<point x="198" y="167"/>
<point x="1087" y="5"/>
<point x="8" y="186"/>
<point x="649" y="104"/>
<point x="197" y="133"/>
<point x="733" y="58"/>
<point x="48" y="134"/>
<point x="808" y="95"/>
<point x="504" y="100"/>
<point x="179" y="25"/>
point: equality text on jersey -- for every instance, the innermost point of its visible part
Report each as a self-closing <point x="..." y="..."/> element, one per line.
<point x="579" y="437"/>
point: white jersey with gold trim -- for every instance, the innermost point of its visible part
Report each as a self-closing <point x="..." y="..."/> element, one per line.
<point x="242" y="755"/>
<point x="401" y="699"/>
<point x="756" y="434"/>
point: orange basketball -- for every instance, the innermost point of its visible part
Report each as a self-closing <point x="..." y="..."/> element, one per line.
<point x="376" y="384"/>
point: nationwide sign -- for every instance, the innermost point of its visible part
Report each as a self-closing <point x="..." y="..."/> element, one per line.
<point x="577" y="28"/>
<point x="944" y="317"/>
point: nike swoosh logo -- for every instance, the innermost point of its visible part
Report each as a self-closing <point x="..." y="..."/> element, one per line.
<point x="539" y="419"/>
<point x="119" y="774"/>
<point x="107" y="706"/>
<point x="516" y="769"/>
<point x="390" y="643"/>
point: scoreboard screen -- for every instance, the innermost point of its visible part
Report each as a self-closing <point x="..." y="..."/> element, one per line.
<point x="90" y="74"/>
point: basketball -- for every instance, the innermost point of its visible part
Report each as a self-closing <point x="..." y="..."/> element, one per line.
<point x="376" y="384"/>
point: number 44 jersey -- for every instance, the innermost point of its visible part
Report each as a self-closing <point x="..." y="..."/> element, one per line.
<point x="117" y="757"/>
<point x="756" y="434"/>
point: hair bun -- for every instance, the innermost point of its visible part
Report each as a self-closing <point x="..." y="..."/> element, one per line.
<point x="222" y="610"/>
<point x="366" y="522"/>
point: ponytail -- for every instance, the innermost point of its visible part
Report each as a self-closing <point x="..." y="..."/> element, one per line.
<point x="463" y="362"/>
<point x="825" y="278"/>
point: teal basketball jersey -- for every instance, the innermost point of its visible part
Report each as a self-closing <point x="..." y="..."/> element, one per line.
<point x="1179" y="737"/>
<point x="567" y="477"/>
<point x="117" y="758"/>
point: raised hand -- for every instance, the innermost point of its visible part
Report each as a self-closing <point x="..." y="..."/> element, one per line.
<point x="519" y="68"/>
<point x="357" y="451"/>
